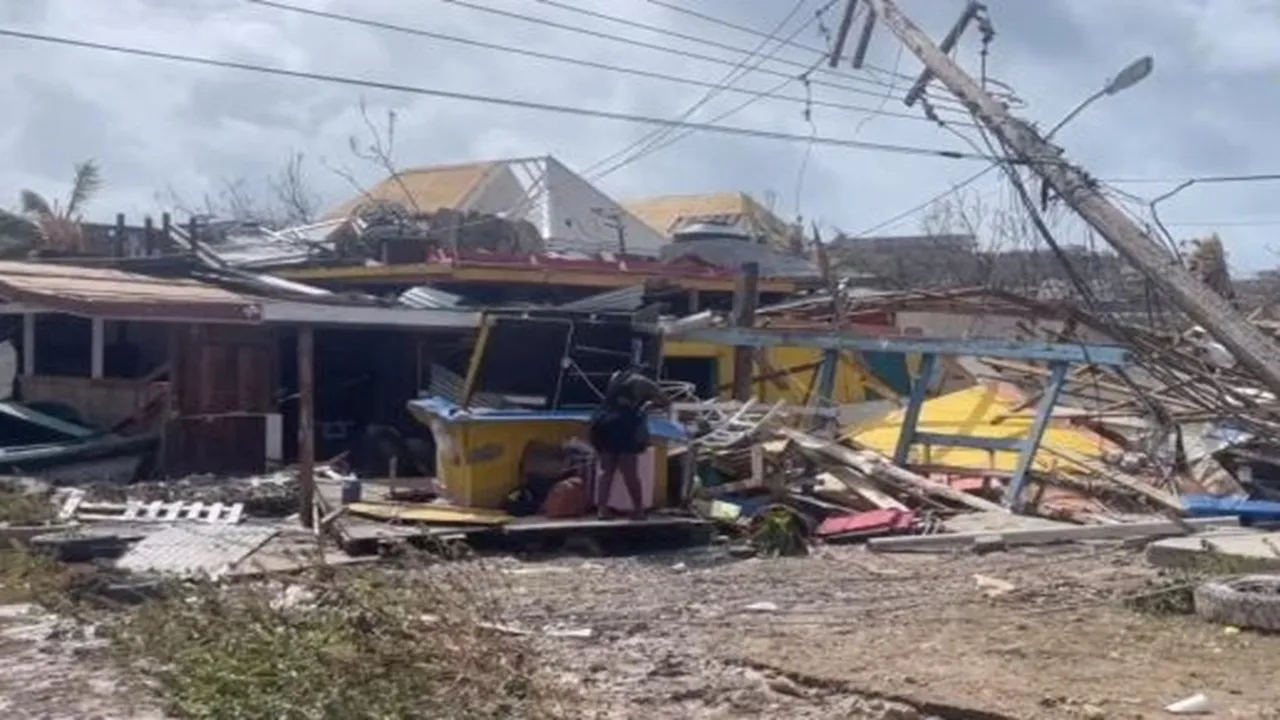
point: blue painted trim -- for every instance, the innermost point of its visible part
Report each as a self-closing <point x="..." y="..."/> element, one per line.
<point x="1003" y="349"/>
<point x="660" y="426"/>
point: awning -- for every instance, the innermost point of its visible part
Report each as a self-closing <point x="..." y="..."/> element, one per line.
<point x="117" y="294"/>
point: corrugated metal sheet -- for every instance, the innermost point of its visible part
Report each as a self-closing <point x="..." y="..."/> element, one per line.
<point x="109" y="292"/>
<point x="259" y="247"/>
<point x="627" y="299"/>
<point x="730" y="253"/>
<point x="424" y="297"/>
<point x="449" y="385"/>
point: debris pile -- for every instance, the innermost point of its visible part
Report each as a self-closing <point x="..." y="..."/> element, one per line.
<point x="1041" y="414"/>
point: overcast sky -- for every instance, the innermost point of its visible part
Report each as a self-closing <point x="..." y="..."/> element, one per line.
<point x="1210" y="108"/>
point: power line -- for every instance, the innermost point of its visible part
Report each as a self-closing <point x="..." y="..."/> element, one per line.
<point x="1259" y="177"/>
<point x="753" y="31"/>
<point x="689" y="131"/>
<point x="653" y="141"/>
<point x="380" y="25"/>
<point x="662" y="48"/>
<point x="701" y="40"/>
<point x="927" y="203"/>
<point x="1265" y="222"/>
<point x="493" y="99"/>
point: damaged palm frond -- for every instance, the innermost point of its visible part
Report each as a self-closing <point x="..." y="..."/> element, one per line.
<point x="86" y="183"/>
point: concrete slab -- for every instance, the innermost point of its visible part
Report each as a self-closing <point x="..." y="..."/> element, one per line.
<point x="994" y="522"/>
<point x="1238" y="550"/>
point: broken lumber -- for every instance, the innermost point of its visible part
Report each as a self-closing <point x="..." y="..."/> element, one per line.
<point x="875" y="465"/>
<point x="1154" y="494"/>
<point x="855" y="484"/>
<point x="1045" y="536"/>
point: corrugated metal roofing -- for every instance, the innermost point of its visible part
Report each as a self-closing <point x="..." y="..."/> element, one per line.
<point x="731" y="253"/>
<point x="429" y="298"/>
<point x="110" y="292"/>
<point x="627" y="299"/>
<point x="260" y="247"/>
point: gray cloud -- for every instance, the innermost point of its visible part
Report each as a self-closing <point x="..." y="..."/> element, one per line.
<point x="1208" y="109"/>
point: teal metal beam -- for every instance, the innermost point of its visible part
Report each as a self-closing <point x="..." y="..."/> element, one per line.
<point x="1031" y="443"/>
<point x="911" y="418"/>
<point x="1111" y="355"/>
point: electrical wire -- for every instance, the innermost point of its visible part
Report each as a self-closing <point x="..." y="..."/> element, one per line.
<point x="487" y="99"/>
<point x="689" y="131"/>
<point x="1197" y="178"/>
<point x="688" y="54"/>
<point x="419" y="32"/>
<point x="753" y="31"/>
<point x="1268" y="222"/>
<point x="703" y="40"/>
<point x="646" y="145"/>
<point x="926" y="204"/>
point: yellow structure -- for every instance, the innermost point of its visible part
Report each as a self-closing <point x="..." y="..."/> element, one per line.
<point x="789" y="374"/>
<point x="986" y="411"/>
<point x="478" y="454"/>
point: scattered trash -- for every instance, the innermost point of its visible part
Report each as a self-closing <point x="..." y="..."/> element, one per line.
<point x="993" y="587"/>
<point x="1197" y="704"/>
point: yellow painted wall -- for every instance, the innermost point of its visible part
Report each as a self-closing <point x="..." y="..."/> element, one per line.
<point x="479" y="462"/>
<point x="793" y="387"/>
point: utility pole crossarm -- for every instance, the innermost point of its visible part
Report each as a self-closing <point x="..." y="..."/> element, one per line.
<point x="1255" y="350"/>
<point x="842" y="33"/>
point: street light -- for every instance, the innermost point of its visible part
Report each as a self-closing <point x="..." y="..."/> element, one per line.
<point x="1133" y="73"/>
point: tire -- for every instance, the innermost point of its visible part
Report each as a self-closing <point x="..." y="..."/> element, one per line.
<point x="1250" y="601"/>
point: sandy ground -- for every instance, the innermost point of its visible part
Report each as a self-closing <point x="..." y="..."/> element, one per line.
<point x="841" y="634"/>
<point x="1012" y="635"/>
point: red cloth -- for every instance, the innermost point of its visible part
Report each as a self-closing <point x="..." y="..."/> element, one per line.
<point x="568" y="498"/>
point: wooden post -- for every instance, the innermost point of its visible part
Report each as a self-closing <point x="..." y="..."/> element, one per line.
<point x="148" y="236"/>
<point x="29" y="344"/>
<point x="118" y="245"/>
<point x="173" y="358"/>
<point x="97" y="347"/>
<point x="745" y="295"/>
<point x="306" y="426"/>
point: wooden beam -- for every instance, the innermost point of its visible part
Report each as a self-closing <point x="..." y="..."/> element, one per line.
<point x="746" y="292"/>
<point x="97" y="347"/>
<point x="306" y="426"/>
<point x="29" y="344"/>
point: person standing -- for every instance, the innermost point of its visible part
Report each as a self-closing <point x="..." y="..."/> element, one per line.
<point x="619" y="433"/>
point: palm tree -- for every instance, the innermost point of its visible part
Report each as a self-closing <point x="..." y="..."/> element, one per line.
<point x="44" y="225"/>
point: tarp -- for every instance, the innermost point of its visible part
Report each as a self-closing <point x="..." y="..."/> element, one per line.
<point x="985" y="411"/>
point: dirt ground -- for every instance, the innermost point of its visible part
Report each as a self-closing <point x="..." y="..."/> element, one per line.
<point x="841" y="634"/>
<point x="1014" y="635"/>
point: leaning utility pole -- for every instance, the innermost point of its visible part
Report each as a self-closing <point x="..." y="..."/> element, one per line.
<point x="1255" y="350"/>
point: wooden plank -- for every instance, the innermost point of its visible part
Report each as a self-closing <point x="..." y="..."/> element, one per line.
<point x="1152" y="493"/>
<point x="1075" y="533"/>
<point x="878" y="466"/>
<point x="862" y="487"/>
